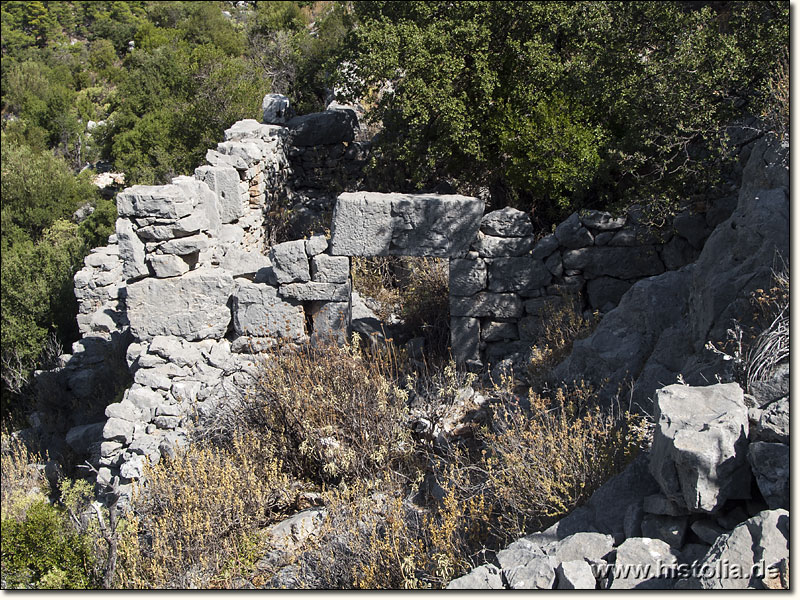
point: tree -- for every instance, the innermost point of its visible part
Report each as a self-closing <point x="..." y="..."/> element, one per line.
<point x="561" y="104"/>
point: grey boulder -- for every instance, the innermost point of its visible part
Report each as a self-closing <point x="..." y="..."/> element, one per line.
<point x="699" y="454"/>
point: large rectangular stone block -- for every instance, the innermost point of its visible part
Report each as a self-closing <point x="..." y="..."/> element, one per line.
<point x="163" y="201"/>
<point x="517" y="274"/>
<point x="374" y="224"/>
<point x="193" y="306"/>
<point x="467" y="277"/>
<point x="224" y="182"/>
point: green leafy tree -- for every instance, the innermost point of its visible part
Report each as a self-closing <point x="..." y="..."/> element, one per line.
<point x="561" y="104"/>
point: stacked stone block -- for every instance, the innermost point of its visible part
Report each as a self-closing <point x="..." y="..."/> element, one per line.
<point x="508" y="283"/>
<point x="99" y="290"/>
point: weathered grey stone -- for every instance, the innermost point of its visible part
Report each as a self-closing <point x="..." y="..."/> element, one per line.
<point x="488" y="246"/>
<point x="259" y="311"/>
<point x="773" y="387"/>
<point x="244" y="263"/>
<point x="517" y="274"/>
<point x="314" y="290"/>
<point x="677" y="253"/>
<point x="536" y="574"/>
<point x="467" y="277"/>
<point x="773" y="426"/>
<point x="737" y="259"/>
<point x="465" y="338"/>
<point x="250" y="151"/>
<point x="554" y="264"/>
<point x="700" y="445"/>
<point x="316" y="244"/>
<point x="185" y="391"/>
<point x="373" y="224"/>
<point x="545" y="247"/>
<point x="330" y="269"/>
<point x="692" y="227"/>
<point x="738" y="560"/>
<point x="669" y="529"/>
<point x="250" y="129"/>
<point x="322" y="128"/>
<point x="572" y="234"/>
<point x="657" y="504"/>
<point x="118" y="430"/>
<point x="606" y="292"/>
<point x="770" y="465"/>
<point x="602" y="221"/>
<point x="518" y="554"/>
<point x="645" y="558"/>
<point x="224" y="182"/>
<point x="485" y="577"/>
<point x="290" y="262"/>
<point x="618" y="262"/>
<point x="274" y="108"/>
<point x="603" y="239"/>
<point x="79" y="438"/>
<point x="707" y="530"/>
<point x="190" y="225"/>
<point x="507" y="222"/>
<point x="163" y="201"/>
<point x="486" y="304"/>
<point x="633" y="520"/>
<point x="331" y="321"/>
<point x="131" y="250"/>
<point x="168" y="265"/>
<point x="582" y="546"/>
<point x="126" y="410"/>
<point x="492" y="331"/>
<point x="218" y="159"/>
<point x="204" y="200"/>
<point x="165" y="422"/>
<point x="147" y="445"/>
<point x="152" y="379"/>
<point x="143" y="398"/>
<point x="575" y="575"/>
<point x="186" y="245"/>
<point x="192" y="307"/>
<point x="133" y="468"/>
<point x="109" y="449"/>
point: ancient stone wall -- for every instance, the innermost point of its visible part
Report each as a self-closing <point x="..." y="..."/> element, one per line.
<point x="192" y="284"/>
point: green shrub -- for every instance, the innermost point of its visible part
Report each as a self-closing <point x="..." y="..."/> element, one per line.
<point x="44" y="551"/>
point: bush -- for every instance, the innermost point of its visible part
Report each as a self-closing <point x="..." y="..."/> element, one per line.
<point x="40" y="546"/>
<point x="330" y="413"/>
<point x="562" y="323"/>
<point x="545" y="461"/>
<point x="195" y="519"/>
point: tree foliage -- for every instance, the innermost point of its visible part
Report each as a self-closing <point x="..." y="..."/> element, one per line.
<point x="560" y="104"/>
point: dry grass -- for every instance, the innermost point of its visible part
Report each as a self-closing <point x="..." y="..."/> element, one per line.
<point x="544" y="462"/>
<point x="195" y="520"/>
<point x="562" y="324"/>
<point x="23" y="483"/>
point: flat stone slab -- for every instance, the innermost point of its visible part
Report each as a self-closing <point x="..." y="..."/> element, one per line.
<point x="375" y="224"/>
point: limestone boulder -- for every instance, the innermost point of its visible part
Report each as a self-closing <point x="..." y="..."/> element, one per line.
<point x="224" y="183"/>
<point x="162" y="201"/>
<point x="770" y="465"/>
<point x="699" y="454"/>
<point x="322" y="128"/>
<point x="485" y="577"/>
<point x="640" y="565"/>
<point x="740" y="559"/>
<point x="193" y="306"/>
<point x="507" y="222"/>
<point x="275" y="108"/>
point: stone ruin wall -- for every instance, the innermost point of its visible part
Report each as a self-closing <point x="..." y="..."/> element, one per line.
<point x="189" y="290"/>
